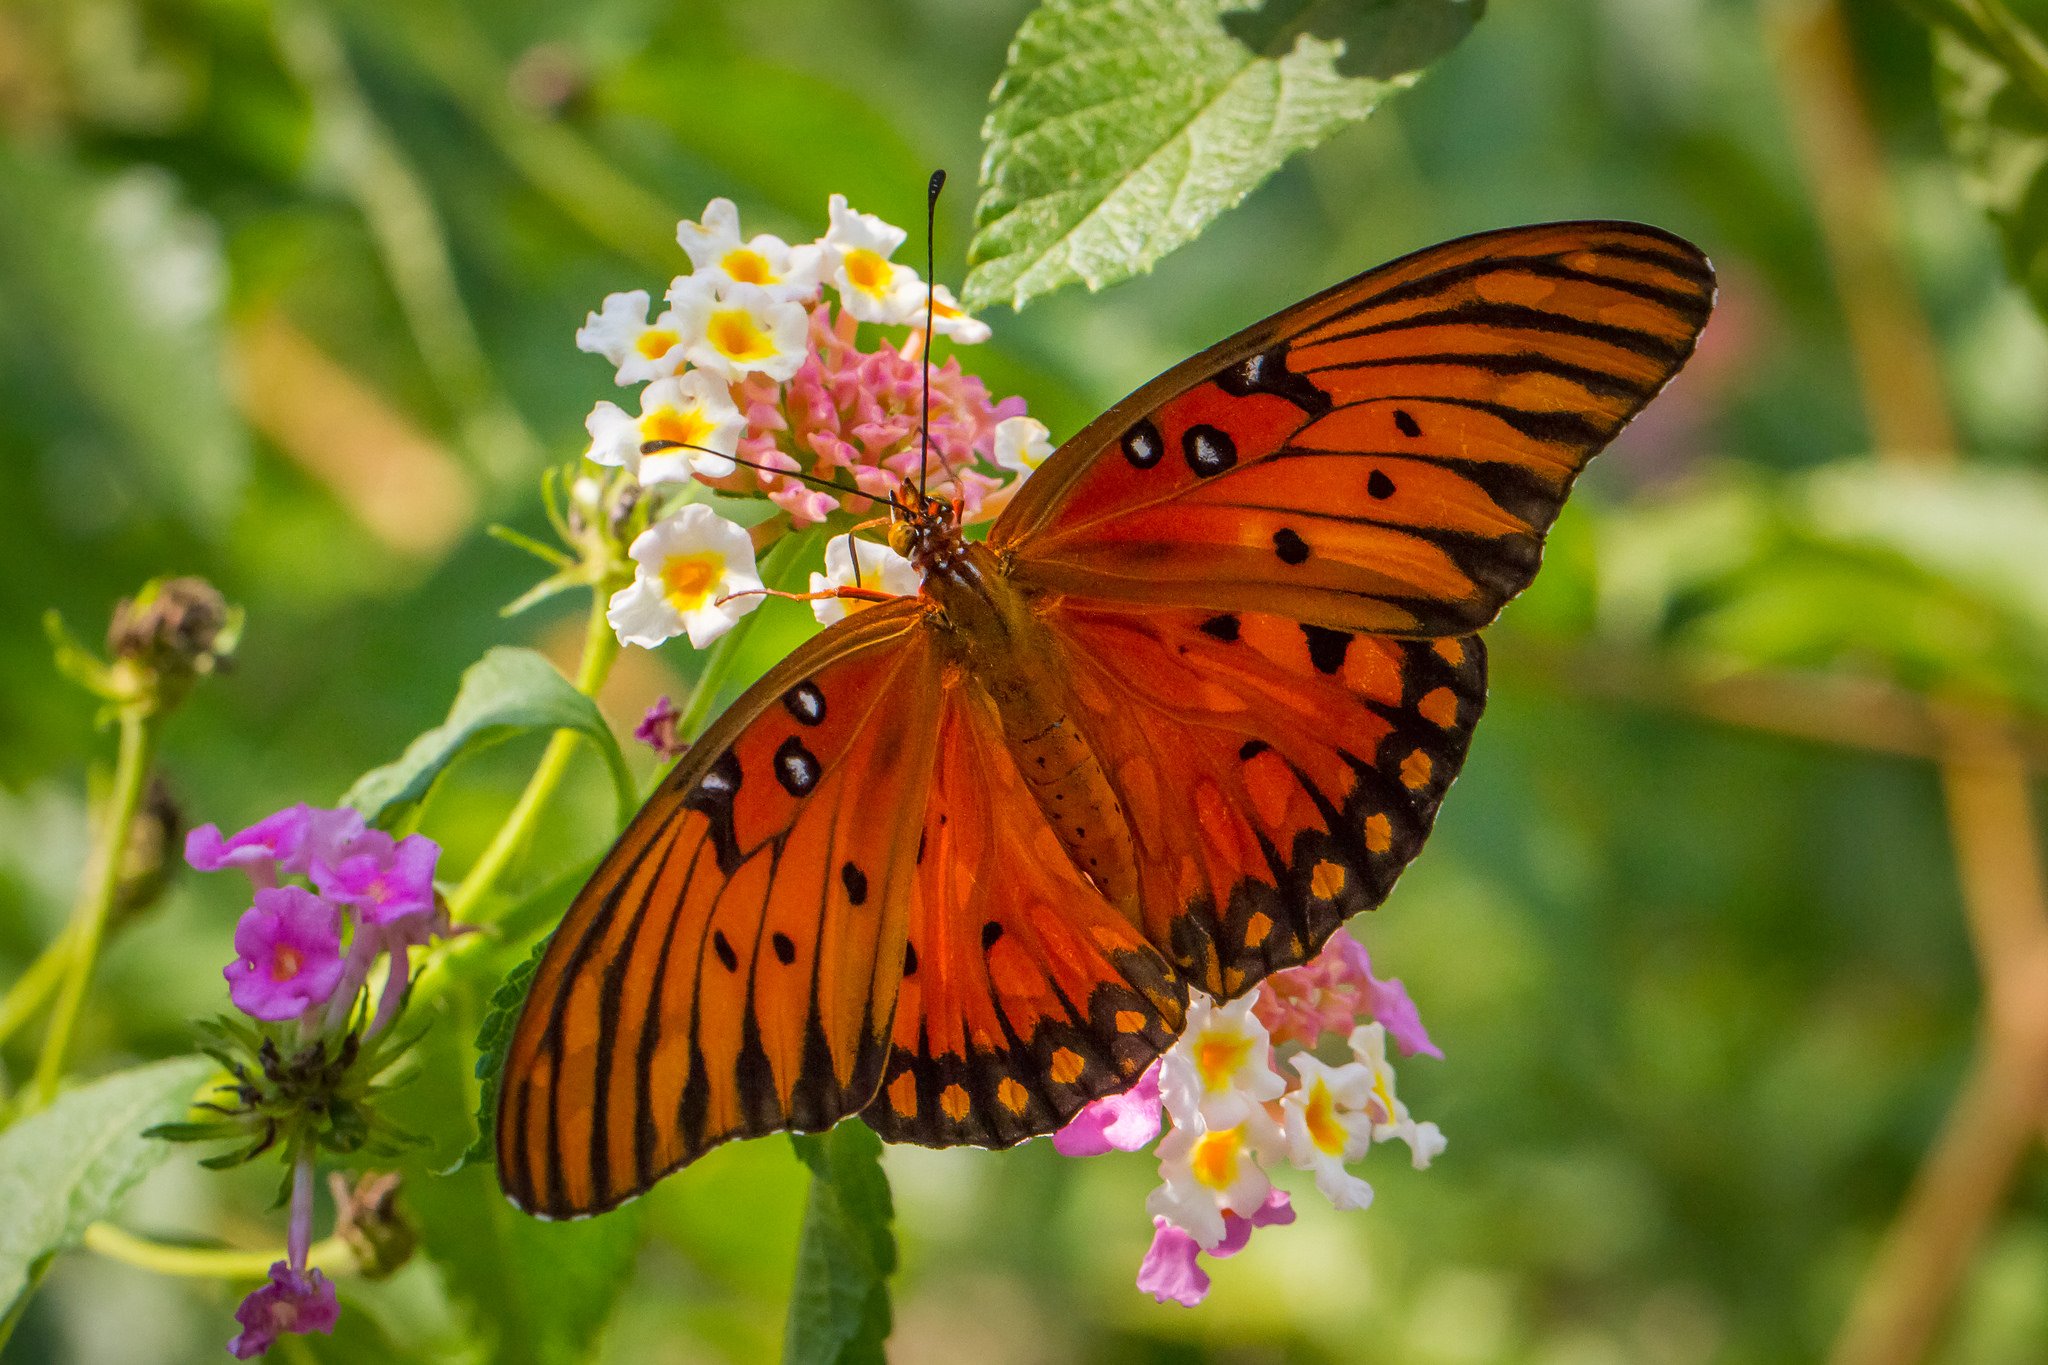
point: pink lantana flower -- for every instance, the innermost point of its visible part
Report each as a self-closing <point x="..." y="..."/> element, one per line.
<point x="1128" y="1122"/>
<point x="1172" y="1270"/>
<point x="857" y="410"/>
<point x="289" y="954"/>
<point x="1329" y="996"/>
<point x="290" y="1302"/>
<point x="291" y="840"/>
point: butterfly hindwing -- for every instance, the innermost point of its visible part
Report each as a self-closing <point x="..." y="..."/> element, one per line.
<point x="731" y="968"/>
<point x="1386" y="456"/>
<point x="1276" y="777"/>
<point x="1024" y="994"/>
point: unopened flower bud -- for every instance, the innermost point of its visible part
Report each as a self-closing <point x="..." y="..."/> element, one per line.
<point x="368" y="1218"/>
<point x="154" y="841"/>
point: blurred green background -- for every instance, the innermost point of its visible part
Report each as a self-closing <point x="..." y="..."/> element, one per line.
<point x="287" y="293"/>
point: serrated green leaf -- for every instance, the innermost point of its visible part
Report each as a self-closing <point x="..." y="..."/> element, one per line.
<point x="1120" y="128"/>
<point x="69" y="1165"/>
<point x="839" y="1307"/>
<point x="1991" y="81"/>
<point x="507" y="691"/>
<point x="493" y="1037"/>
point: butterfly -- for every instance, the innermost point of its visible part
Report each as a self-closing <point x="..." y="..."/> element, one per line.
<point x="955" y="863"/>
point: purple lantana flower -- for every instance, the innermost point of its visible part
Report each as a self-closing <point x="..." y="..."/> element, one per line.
<point x="385" y="879"/>
<point x="289" y="954"/>
<point x="657" y="729"/>
<point x="1172" y="1268"/>
<point x="292" y="840"/>
<point x="289" y="1302"/>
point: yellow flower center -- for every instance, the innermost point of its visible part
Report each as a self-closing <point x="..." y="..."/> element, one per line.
<point x="945" y="310"/>
<point x="1320" y="1113"/>
<point x="1382" y="1092"/>
<point x="688" y="580"/>
<point x="746" y="266"/>
<point x="655" y="342"/>
<point x="377" y="891"/>
<point x="683" y="427"/>
<point x="284" y="964"/>
<point x="868" y="271"/>
<point x="1218" y="1057"/>
<point x="738" y="336"/>
<point x="1214" y="1159"/>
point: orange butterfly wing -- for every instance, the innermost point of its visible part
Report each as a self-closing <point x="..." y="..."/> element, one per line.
<point x="1385" y="456"/>
<point x="1276" y="777"/>
<point x="1025" y="994"/>
<point x="731" y="968"/>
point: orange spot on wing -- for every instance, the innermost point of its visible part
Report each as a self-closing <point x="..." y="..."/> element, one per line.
<point x="1129" y="1021"/>
<point x="953" y="1100"/>
<point x="903" y="1094"/>
<point x="1256" y="929"/>
<point x="1439" y="708"/>
<point x="1327" y="879"/>
<point x="1379" y="833"/>
<point x="1415" y="770"/>
<point x="1012" y="1096"/>
<point x="1067" y="1066"/>
<point x="1450" y="651"/>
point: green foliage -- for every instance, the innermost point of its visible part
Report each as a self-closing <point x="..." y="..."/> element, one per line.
<point x="839" y="1310"/>
<point x="503" y="693"/>
<point x="70" y="1164"/>
<point x="1121" y="128"/>
<point x="492" y="1041"/>
<point x="1992" y="86"/>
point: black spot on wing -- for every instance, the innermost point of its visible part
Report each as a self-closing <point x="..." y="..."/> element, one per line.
<point x="1327" y="648"/>
<point x="1222" y="628"/>
<point x="806" y="702"/>
<point x="1288" y="544"/>
<point x="796" y="767"/>
<point x="1208" y="450"/>
<point x="856" y="881"/>
<point x="1143" y="446"/>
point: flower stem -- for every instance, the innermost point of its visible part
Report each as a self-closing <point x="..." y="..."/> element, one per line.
<point x="332" y="1256"/>
<point x="96" y="898"/>
<point x="36" y="985"/>
<point x="600" y="650"/>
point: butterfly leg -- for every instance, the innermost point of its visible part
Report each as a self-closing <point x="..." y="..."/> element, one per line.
<point x="845" y="593"/>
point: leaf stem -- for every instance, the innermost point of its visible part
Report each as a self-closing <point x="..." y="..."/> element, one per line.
<point x="96" y="898"/>
<point x="600" y="651"/>
<point x="332" y="1256"/>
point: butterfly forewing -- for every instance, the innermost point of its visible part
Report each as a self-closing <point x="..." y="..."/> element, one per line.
<point x="731" y="968"/>
<point x="1383" y="457"/>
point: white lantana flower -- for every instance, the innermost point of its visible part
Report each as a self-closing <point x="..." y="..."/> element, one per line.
<point x="685" y="564"/>
<point x="621" y="333"/>
<point x="717" y="252"/>
<point x="734" y="330"/>
<point x="881" y="568"/>
<point x="1022" y="444"/>
<point x="1327" y="1125"/>
<point x="1207" y="1172"/>
<point x="1390" y="1117"/>
<point x="871" y="286"/>
<point x="687" y="425"/>
<point x="949" y="319"/>
<point x="1221" y="1069"/>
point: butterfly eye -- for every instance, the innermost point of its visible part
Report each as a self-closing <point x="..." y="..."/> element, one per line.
<point x="902" y="535"/>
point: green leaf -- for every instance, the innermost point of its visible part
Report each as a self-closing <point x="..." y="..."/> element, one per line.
<point x="493" y="1038"/>
<point x="70" y="1164"/>
<point x="121" y="286"/>
<point x="839" y="1308"/>
<point x="506" y="691"/>
<point x="1120" y="128"/>
<point x="1991" y="81"/>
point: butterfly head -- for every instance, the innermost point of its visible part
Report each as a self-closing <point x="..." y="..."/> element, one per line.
<point x="924" y="529"/>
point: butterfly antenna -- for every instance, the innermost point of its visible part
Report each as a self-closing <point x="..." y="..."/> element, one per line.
<point x="826" y="485"/>
<point x="924" y="416"/>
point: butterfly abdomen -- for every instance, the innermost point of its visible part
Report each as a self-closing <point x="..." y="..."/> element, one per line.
<point x="1011" y="657"/>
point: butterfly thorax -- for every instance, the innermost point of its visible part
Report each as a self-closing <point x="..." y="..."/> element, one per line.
<point x="1005" y="652"/>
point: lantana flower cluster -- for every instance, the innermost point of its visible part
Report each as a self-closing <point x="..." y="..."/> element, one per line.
<point x="322" y="967"/>
<point x="776" y="370"/>
<point x="1244" y="1092"/>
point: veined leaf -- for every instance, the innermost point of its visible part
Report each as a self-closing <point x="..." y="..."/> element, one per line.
<point x="69" y="1165"/>
<point x="839" y="1308"/>
<point x="503" y="693"/>
<point x="1120" y="128"/>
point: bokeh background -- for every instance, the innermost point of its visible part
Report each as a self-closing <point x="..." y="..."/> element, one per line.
<point x="287" y="293"/>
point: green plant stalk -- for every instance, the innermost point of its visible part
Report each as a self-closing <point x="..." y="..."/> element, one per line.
<point x="27" y="996"/>
<point x="2016" y="45"/>
<point x="332" y="1256"/>
<point x="600" y="651"/>
<point x="96" y="900"/>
